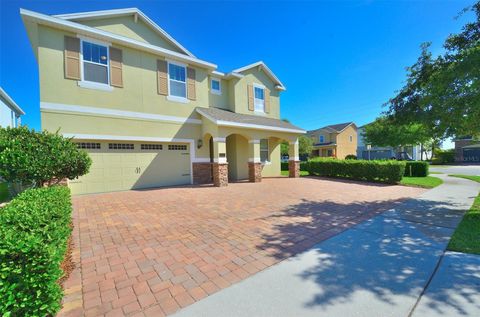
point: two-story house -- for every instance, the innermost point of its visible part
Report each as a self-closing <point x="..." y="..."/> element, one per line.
<point x="148" y="111"/>
<point x="10" y="112"/>
<point x="336" y="140"/>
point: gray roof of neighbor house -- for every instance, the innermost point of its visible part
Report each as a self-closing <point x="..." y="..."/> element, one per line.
<point x="339" y="127"/>
<point x="227" y="118"/>
<point x="10" y="103"/>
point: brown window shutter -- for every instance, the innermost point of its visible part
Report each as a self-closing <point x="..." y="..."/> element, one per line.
<point x="116" y="77"/>
<point x="162" y="80"/>
<point x="267" y="100"/>
<point x="191" y="83"/>
<point x="72" y="58"/>
<point x="250" y="98"/>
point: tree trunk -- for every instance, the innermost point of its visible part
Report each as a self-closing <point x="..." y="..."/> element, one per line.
<point x="421" y="152"/>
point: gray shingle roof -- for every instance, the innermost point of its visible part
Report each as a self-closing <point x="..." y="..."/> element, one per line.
<point x="335" y="127"/>
<point x="220" y="115"/>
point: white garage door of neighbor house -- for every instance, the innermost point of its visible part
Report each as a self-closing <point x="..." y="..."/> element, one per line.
<point x="130" y="165"/>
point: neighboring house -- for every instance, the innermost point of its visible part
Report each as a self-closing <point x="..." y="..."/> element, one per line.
<point x="336" y="140"/>
<point x="467" y="150"/>
<point x="382" y="153"/>
<point x="148" y="111"/>
<point x="10" y="112"/>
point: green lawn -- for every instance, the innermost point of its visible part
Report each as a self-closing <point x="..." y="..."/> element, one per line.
<point x="426" y="182"/>
<point x="470" y="177"/>
<point x="466" y="237"/>
<point x="3" y="192"/>
<point x="302" y="173"/>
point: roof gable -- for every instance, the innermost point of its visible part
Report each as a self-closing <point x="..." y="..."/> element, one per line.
<point x="263" y="67"/>
<point x="335" y="128"/>
<point x="131" y="23"/>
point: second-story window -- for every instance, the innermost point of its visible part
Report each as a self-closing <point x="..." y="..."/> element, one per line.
<point x="177" y="80"/>
<point x="321" y="139"/>
<point x="259" y="94"/>
<point x="95" y="62"/>
<point x="216" y="87"/>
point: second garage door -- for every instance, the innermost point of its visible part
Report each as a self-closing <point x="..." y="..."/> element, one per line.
<point x="123" y="166"/>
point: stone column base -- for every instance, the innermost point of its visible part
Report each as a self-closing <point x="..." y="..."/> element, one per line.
<point x="254" y="172"/>
<point x="294" y="169"/>
<point x="202" y="173"/>
<point x="220" y="174"/>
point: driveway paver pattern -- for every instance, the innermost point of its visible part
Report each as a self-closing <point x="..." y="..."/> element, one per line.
<point x="152" y="252"/>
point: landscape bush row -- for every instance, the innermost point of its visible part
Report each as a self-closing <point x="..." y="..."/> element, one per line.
<point x="284" y="166"/>
<point x="34" y="230"/>
<point x="379" y="171"/>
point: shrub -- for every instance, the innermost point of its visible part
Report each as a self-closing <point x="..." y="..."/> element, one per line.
<point x="32" y="158"/>
<point x="284" y="166"/>
<point x="379" y="171"/>
<point x="443" y="156"/>
<point x="351" y="157"/>
<point x="34" y="229"/>
<point x="416" y="169"/>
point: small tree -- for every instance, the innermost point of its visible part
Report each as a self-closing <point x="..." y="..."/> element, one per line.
<point x="33" y="159"/>
<point x="305" y="145"/>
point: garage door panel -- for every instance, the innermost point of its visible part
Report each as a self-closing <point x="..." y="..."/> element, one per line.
<point x="115" y="170"/>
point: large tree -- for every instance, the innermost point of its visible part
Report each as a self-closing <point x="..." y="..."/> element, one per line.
<point x="305" y="145"/>
<point x="384" y="132"/>
<point x="443" y="93"/>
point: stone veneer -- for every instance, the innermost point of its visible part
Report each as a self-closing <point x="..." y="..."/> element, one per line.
<point x="202" y="173"/>
<point x="294" y="169"/>
<point x="254" y="172"/>
<point x="220" y="174"/>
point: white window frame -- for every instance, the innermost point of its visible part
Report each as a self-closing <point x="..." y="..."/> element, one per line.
<point x="177" y="98"/>
<point x="92" y="84"/>
<point x="215" y="91"/>
<point x="321" y="139"/>
<point x="267" y="161"/>
<point x="255" y="99"/>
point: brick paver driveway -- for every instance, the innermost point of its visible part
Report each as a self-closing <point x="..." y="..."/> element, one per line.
<point x="152" y="252"/>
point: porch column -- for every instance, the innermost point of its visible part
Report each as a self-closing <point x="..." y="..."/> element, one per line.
<point x="220" y="165"/>
<point x="293" y="160"/>
<point x="254" y="162"/>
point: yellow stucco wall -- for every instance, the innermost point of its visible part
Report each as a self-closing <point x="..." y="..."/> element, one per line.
<point x="240" y="93"/>
<point x="345" y="146"/>
<point x="126" y="26"/>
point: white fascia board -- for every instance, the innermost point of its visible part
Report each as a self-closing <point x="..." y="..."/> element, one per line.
<point x="114" y="38"/>
<point x="227" y="75"/>
<point x="121" y="12"/>
<point x="11" y="103"/>
<point x="248" y="125"/>
<point x="268" y="71"/>
<point x="80" y="136"/>
<point x="114" y="113"/>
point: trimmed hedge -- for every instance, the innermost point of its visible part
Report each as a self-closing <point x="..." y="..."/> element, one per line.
<point x="34" y="230"/>
<point x="378" y="171"/>
<point x="284" y="166"/>
<point x="416" y="169"/>
<point x="443" y="156"/>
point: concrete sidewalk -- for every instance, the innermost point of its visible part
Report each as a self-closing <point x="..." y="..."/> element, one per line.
<point x="378" y="268"/>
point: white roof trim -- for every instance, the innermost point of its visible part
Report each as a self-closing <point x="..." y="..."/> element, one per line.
<point x="267" y="70"/>
<point x="121" y="12"/>
<point x="114" y="38"/>
<point x="227" y="75"/>
<point x="11" y="103"/>
<point x="114" y="113"/>
<point x="248" y="125"/>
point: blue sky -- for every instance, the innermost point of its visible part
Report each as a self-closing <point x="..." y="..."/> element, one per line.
<point x="340" y="60"/>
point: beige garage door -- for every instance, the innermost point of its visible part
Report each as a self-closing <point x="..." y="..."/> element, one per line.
<point x="128" y="165"/>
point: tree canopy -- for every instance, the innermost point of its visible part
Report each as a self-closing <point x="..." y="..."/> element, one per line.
<point x="384" y="132"/>
<point x="443" y="93"/>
